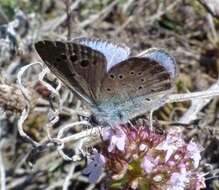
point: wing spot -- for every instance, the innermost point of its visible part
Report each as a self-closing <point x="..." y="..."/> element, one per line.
<point x="84" y="63"/>
<point x="112" y="76"/>
<point x="108" y="89"/>
<point x="142" y="80"/>
<point x="73" y="58"/>
<point x="140" y="87"/>
<point x="139" y="73"/>
<point x="131" y="72"/>
<point x="121" y="76"/>
<point x="148" y="99"/>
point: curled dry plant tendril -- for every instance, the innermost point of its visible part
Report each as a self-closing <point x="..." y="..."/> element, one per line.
<point x="26" y="111"/>
<point x="53" y="116"/>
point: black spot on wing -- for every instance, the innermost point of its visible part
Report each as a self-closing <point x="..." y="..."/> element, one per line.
<point x="73" y="58"/>
<point x="84" y="63"/>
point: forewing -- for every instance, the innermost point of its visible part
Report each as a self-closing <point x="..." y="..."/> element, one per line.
<point x="113" y="52"/>
<point x="78" y="66"/>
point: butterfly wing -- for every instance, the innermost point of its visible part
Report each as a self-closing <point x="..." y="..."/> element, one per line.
<point x="113" y="52"/>
<point x="79" y="67"/>
<point x="134" y="86"/>
<point x="162" y="57"/>
<point x="134" y="77"/>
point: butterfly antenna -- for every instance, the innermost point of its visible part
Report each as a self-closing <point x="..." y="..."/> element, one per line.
<point x="69" y="17"/>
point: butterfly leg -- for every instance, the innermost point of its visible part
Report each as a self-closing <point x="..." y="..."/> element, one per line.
<point x="130" y="123"/>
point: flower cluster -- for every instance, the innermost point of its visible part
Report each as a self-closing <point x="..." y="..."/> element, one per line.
<point x="135" y="157"/>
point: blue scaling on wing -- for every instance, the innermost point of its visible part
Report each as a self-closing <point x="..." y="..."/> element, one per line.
<point x="113" y="52"/>
<point x="162" y="57"/>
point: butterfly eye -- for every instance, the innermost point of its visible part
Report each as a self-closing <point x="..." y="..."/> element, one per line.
<point x="73" y="58"/>
<point x="84" y="63"/>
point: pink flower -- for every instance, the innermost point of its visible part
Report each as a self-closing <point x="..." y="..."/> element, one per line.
<point x="178" y="180"/>
<point x="148" y="163"/>
<point x="95" y="166"/>
<point x="117" y="138"/>
<point x="197" y="181"/>
<point x="170" y="144"/>
<point x="194" y="153"/>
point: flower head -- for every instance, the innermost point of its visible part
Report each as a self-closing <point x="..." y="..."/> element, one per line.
<point x="139" y="158"/>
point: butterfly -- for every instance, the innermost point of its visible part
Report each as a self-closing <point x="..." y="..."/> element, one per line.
<point x="116" y="86"/>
